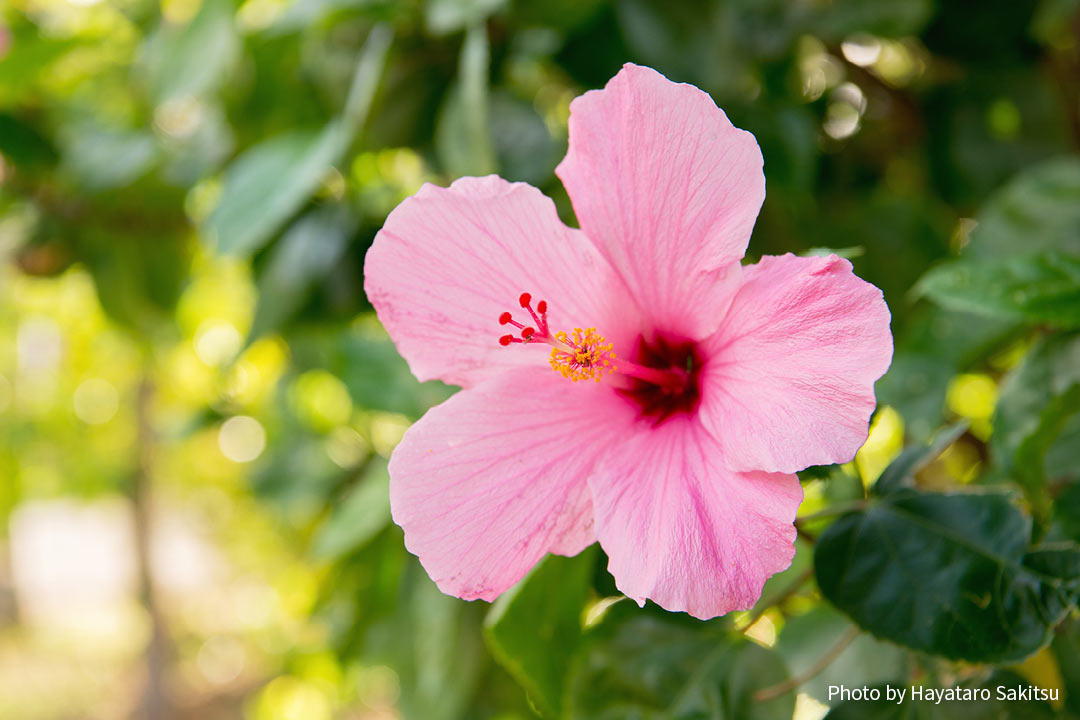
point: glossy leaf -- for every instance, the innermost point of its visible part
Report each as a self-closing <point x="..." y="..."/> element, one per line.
<point x="1038" y="210"/>
<point x="1042" y="288"/>
<point x="950" y="575"/>
<point x="534" y="629"/>
<point x="638" y="666"/>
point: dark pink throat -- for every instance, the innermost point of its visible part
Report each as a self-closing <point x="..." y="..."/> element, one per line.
<point x="678" y="387"/>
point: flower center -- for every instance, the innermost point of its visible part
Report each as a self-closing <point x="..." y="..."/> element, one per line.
<point x="675" y="358"/>
<point x="663" y="379"/>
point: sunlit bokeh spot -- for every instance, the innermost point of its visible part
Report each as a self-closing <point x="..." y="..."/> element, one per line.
<point x="221" y="659"/>
<point x="217" y="342"/>
<point x="95" y="401"/>
<point x="387" y="430"/>
<point x="763" y="630"/>
<point x="291" y="698"/>
<point x="346" y="447"/>
<point x="882" y="446"/>
<point x="378" y="686"/>
<point x="322" y="400"/>
<point x="861" y="49"/>
<point x="241" y="438"/>
<point x="809" y="708"/>
<point x="973" y="396"/>
<point x="39" y="345"/>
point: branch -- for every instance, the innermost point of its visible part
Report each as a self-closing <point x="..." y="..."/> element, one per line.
<point x="774" y="691"/>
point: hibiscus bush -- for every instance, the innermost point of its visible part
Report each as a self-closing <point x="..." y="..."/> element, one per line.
<point x="194" y="352"/>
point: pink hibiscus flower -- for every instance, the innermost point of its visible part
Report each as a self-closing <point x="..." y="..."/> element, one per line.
<point x="712" y="382"/>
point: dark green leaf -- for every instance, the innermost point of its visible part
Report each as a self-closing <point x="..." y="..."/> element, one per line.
<point x="534" y="628"/>
<point x="306" y="252"/>
<point x="1043" y="288"/>
<point x="1038" y="210"/>
<point x="637" y="666"/>
<point x="1066" y="649"/>
<point x="950" y="575"/>
<point x="891" y="18"/>
<point x="23" y="144"/>
<point x="363" y="512"/>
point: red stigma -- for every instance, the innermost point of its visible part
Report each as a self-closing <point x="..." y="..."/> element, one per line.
<point x="540" y="331"/>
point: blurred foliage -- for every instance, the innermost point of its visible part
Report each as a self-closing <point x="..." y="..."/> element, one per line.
<point x="187" y="191"/>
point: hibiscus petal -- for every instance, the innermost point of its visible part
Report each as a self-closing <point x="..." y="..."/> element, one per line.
<point x="488" y="482"/>
<point x="668" y="189"/>
<point x="449" y="261"/>
<point x="789" y="377"/>
<point x="684" y="531"/>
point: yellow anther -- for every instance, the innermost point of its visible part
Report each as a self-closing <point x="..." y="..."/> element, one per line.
<point x="582" y="355"/>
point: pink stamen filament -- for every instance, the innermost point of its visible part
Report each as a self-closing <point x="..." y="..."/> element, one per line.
<point x="672" y="379"/>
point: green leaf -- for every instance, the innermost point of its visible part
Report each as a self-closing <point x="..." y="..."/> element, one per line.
<point x="1040" y="288"/>
<point x="307" y="251"/>
<point x="1036" y="401"/>
<point x="192" y="59"/>
<point x="635" y="665"/>
<point x="22" y="144"/>
<point x="950" y="575"/>
<point x="102" y="158"/>
<point x="890" y="18"/>
<point x="266" y="185"/>
<point x="433" y="643"/>
<point x="26" y="56"/>
<point x="269" y="182"/>
<point x="446" y="16"/>
<point x="1066" y="649"/>
<point x="378" y="377"/>
<point x="363" y="512"/>
<point x="866" y="661"/>
<point x="462" y="134"/>
<point x="534" y="628"/>
<point x="901" y="471"/>
<point x="1038" y="210"/>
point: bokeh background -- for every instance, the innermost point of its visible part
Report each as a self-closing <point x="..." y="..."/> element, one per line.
<point x="197" y="403"/>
